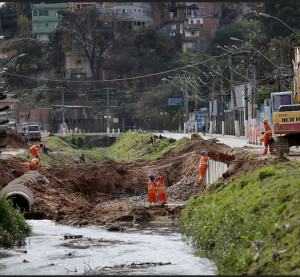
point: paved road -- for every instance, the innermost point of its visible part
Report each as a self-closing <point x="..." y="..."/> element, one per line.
<point x="228" y="140"/>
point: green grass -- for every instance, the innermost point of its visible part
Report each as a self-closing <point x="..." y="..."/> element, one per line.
<point x="129" y="146"/>
<point x="264" y="205"/>
<point x="13" y="227"/>
<point x="133" y="145"/>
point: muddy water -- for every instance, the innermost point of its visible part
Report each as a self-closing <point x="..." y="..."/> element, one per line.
<point x="147" y="251"/>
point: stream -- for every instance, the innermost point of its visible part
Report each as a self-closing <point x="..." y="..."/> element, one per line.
<point x="152" y="250"/>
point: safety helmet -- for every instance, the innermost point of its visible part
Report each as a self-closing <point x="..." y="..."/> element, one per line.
<point x="265" y="121"/>
<point x="151" y="176"/>
<point x="203" y="153"/>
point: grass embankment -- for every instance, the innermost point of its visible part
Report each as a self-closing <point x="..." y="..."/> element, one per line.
<point x="13" y="227"/>
<point x="129" y="146"/>
<point x="263" y="206"/>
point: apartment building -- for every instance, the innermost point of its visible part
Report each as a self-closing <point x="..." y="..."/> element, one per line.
<point x="45" y="19"/>
<point x="195" y="23"/>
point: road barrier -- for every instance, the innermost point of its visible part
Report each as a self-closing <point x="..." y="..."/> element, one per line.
<point x="215" y="171"/>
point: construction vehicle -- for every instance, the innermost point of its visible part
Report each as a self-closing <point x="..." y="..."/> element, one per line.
<point x="285" y="108"/>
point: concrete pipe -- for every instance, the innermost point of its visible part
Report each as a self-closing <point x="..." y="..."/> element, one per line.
<point x="20" y="195"/>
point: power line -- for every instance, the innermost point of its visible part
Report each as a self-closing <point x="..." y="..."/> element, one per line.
<point x="112" y="80"/>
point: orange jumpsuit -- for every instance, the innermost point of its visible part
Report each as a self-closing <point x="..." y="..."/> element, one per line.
<point x="202" y="169"/>
<point x="34" y="164"/>
<point x="34" y="150"/>
<point x="161" y="192"/>
<point x="266" y="138"/>
<point x="151" y="192"/>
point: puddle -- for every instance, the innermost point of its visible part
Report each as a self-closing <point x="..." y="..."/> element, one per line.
<point x="150" y="251"/>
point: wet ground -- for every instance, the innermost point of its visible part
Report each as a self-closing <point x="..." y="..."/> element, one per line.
<point x="60" y="249"/>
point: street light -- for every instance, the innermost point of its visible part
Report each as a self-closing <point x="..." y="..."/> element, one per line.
<point x="278" y="19"/>
<point x="238" y="39"/>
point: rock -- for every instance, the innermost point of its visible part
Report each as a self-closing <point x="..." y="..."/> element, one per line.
<point x="25" y="261"/>
<point x="70" y="236"/>
<point x="114" y="227"/>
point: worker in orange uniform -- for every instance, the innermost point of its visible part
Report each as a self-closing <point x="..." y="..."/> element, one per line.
<point x="151" y="190"/>
<point x="34" y="149"/>
<point x="266" y="139"/>
<point x="161" y="191"/>
<point x="34" y="164"/>
<point x="202" y="168"/>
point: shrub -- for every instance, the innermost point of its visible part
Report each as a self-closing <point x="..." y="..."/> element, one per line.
<point x="13" y="227"/>
<point x="265" y="173"/>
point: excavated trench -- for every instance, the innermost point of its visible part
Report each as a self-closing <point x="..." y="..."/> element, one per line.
<point x="102" y="194"/>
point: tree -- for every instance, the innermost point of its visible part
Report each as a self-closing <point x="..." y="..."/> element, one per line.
<point x="55" y="52"/>
<point x="89" y="35"/>
<point x="24" y="26"/>
<point x="30" y="62"/>
<point x="140" y="52"/>
<point x="288" y="11"/>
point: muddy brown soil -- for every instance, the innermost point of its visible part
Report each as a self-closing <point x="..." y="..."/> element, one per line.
<point x="99" y="193"/>
<point x="13" y="141"/>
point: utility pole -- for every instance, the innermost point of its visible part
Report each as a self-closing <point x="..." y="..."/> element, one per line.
<point x="211" y="107"/>
<point x="107" y="110"/>
<point x="253" y="102"/>
<point x="223" y="105"/>
<point x="233" y="99"/>
<point x="186" y="104"/>
<point x="246" y="103"/>
<point x="63" y="106"/>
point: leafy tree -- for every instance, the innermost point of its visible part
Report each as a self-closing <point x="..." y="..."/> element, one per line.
<point x="88" y="34"/>
<point x="152" y="110"/>
<point x="55" y="52"/>
<point x="32" y="60"/>
<point x="288" y="11"/>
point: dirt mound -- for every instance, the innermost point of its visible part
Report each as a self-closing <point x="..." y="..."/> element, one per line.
<point x="99" y="193"/>
<point x="15" y="141"/>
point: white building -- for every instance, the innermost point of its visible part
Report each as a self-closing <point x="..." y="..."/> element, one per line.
<point x="139" y="13"/>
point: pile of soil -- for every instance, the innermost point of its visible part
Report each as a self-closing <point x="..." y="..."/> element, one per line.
<point x="15" y="141"/>
<point x="99" y="193"/>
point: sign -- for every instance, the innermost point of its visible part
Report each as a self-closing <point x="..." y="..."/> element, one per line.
<point x="286" y="122"/>
<point x="115" y="120"/>
<point x="200" y="119"/>
<point x="175" y="102"/>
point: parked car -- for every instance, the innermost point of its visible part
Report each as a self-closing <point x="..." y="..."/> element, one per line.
<point x="12" y="125"/>
<point x="32" y="132"/>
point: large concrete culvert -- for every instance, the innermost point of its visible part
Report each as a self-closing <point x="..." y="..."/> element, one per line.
<point x="20" y="196"/>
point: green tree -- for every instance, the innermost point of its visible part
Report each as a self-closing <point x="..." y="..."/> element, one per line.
<point x="90" y="35"/>
<point x="32" y="60"/>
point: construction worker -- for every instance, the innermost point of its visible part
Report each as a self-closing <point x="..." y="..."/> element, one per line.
<point x="34" y="149"/>
<point x="34" y="164"/>
<point x="202" y="168"/>
<point x="161" y="192"/>
<point x="266" y="139"/>
<point x="151" y="190"/>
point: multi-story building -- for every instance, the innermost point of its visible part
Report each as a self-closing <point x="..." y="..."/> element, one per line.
<point x="139" y="14"/>
<point x="77" y="6"/>
<point x="45" y="19"/>
<point x="195" y="23"/>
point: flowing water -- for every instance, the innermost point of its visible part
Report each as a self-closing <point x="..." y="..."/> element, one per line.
<point x="152" y="250"/>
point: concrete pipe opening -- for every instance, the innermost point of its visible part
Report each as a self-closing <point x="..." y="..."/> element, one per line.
<point x="20" y="196"/>
<point x="19" y="201"/>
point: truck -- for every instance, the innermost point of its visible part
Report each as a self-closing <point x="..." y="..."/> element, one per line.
<point x="31" y="131"/>
<point x="285" y="108"/>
